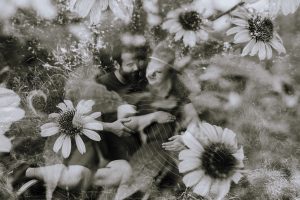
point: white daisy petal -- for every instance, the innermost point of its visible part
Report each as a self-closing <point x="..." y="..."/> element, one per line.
<point x="229" y="138"/>
<point x="95" y="115"/>
<point x="83" y="7"/>
<point x="254" y="49"/>
<point x="62" y="106"/>
<point x="49" y="125"/>
<point x="239" y="22"/>
<point x="167" y="25"/>
<point x="11" y="114"/>
<point x="58" y="143"/>
<point x="203" y="187"/>
<point x="269" y="51"/>
<point x="66" y="147"/>
<point x="85" y="106"/>
<point x="94" y="126"/>
<point x="69" y="104"/>
<point x="247" y="49"/>
<point x="189" y="38"/>
<point x="234" y="30"/>
<point x="80" y="144"/>
<point x="49" y="131"/>
<point x="96" y="13"/>
<point x="192" y="178"/>
<point x="91" y="134"/>
<point x="277" y="46"/>
<point x="209" y="131"/>
<point x="242" y="37"/>
<point x="236" y="177"/>
<point x="262" y="51"/>
<point x="53" y="116"/>
<point x="239" y="154"/>
<point x="179" y="35"/>
<point x="188" y="154"/>
<point x="5" y="144"/>
<point x="223" y="188"/>
<point x="175" y="28"/>
<point x="8" y="98"/>
<point x="188" y="165"/>
<point x="191" y="142"/>
<point x="203" y="35"/>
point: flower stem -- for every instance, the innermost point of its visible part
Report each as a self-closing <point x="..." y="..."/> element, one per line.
<point x="213" y="18"/>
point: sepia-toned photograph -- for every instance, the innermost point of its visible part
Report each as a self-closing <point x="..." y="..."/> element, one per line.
<point x="149" y="100"/>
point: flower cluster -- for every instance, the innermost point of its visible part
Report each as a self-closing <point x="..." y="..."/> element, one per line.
<point x="212" y="159"/>
<point x="73" y="122"/>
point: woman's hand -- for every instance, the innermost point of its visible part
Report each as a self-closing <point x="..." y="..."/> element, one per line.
<point x="164" y="117"/>
<point x="175" y="144"/>
<point x="118" y="127"/>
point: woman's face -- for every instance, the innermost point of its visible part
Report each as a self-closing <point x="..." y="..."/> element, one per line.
<point x="156" y="72"/>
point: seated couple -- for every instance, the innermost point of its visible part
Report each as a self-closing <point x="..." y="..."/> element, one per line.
<point x="154" y="116"/>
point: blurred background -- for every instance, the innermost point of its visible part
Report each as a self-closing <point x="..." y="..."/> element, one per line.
<point x="43" y="44"/>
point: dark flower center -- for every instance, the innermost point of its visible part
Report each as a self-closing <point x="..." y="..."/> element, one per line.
<point x="66" y="125"/>
<point x="218" y="161"/>
<point x="261" y="29"/>
<point x="190" y="20"/>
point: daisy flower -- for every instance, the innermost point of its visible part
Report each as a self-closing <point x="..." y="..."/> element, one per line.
<point x="187" y="23"/>
<point x="122" y="9"/>
<point x="9" y="113"/>
<point x="259" y="34"/>
<point x="212" y="159"/>
<point x="73" y="122"/>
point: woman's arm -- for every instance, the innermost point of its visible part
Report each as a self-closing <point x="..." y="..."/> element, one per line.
<point x="117" y="127"/>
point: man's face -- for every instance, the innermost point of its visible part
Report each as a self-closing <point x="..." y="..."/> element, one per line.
<point x="156" y="72"/>
<point x="129" y="64"/>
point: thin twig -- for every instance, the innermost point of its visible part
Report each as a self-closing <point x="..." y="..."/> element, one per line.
<point x="213" y="18"/>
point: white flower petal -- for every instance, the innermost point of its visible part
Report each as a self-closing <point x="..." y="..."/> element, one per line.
<point x="8" y="98"/>
<point x="221" y="188"/>
<point x="49" y="131"/>
<point x="203" y="187"/>
<point x="84" y="107"/>
<point x="254" y="49"/>
<point x="167" y="25"/>
<point x="239" y="154"/>
<point x="236" y="177"/>
<point x="179" y="35"/>
<point x="49" y="125"/>
<point x="83" y="7"/>
<point x="234" y="30"/>
<point x="189" y="165"/>
<point x="242" y="37"/>
<point x="203" y="35"/>
<point x="94" y="126"/>
<point x="69" y="104"/>
<point x="277" y="46"/>
<point x="66" y="147"/>
<point x="91" y="134"/>
<point x="191" y="142"/>
<point x="175" y="28"/>
<point x="96" y="13"/>
<point x="95" y="115"/>
<point x="210" y="132"/>
<point x="62" y="106"/>
<point x="269" y="51"/>
<point x="262" y="51"/>
<point x="58" y="143"/>
<point x="53" y="116"/>
<point x="11" y="114"/>
<point x="189" y="38"/>
<point x="240" y="22"/>
<point x="229" y="138"/>
<point x="188" y="154"/>
<point x="247" y="49"/>
<point x="80" y="144"/>
<point x="5" y="144"/>
<point x="192" y="178"/>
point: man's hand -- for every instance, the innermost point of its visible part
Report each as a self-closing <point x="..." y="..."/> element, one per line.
<point x="175" y="144"/>
<point x="118" y="127"/>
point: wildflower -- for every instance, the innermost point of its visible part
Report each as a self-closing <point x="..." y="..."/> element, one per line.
<point x="95" y="8"/>
<point x="9" y="113"/>
<point x="73" y="122"/>
<point x="258" y="32"/>
<point x="187" y="23"/>
<point x="212" y="159"/>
